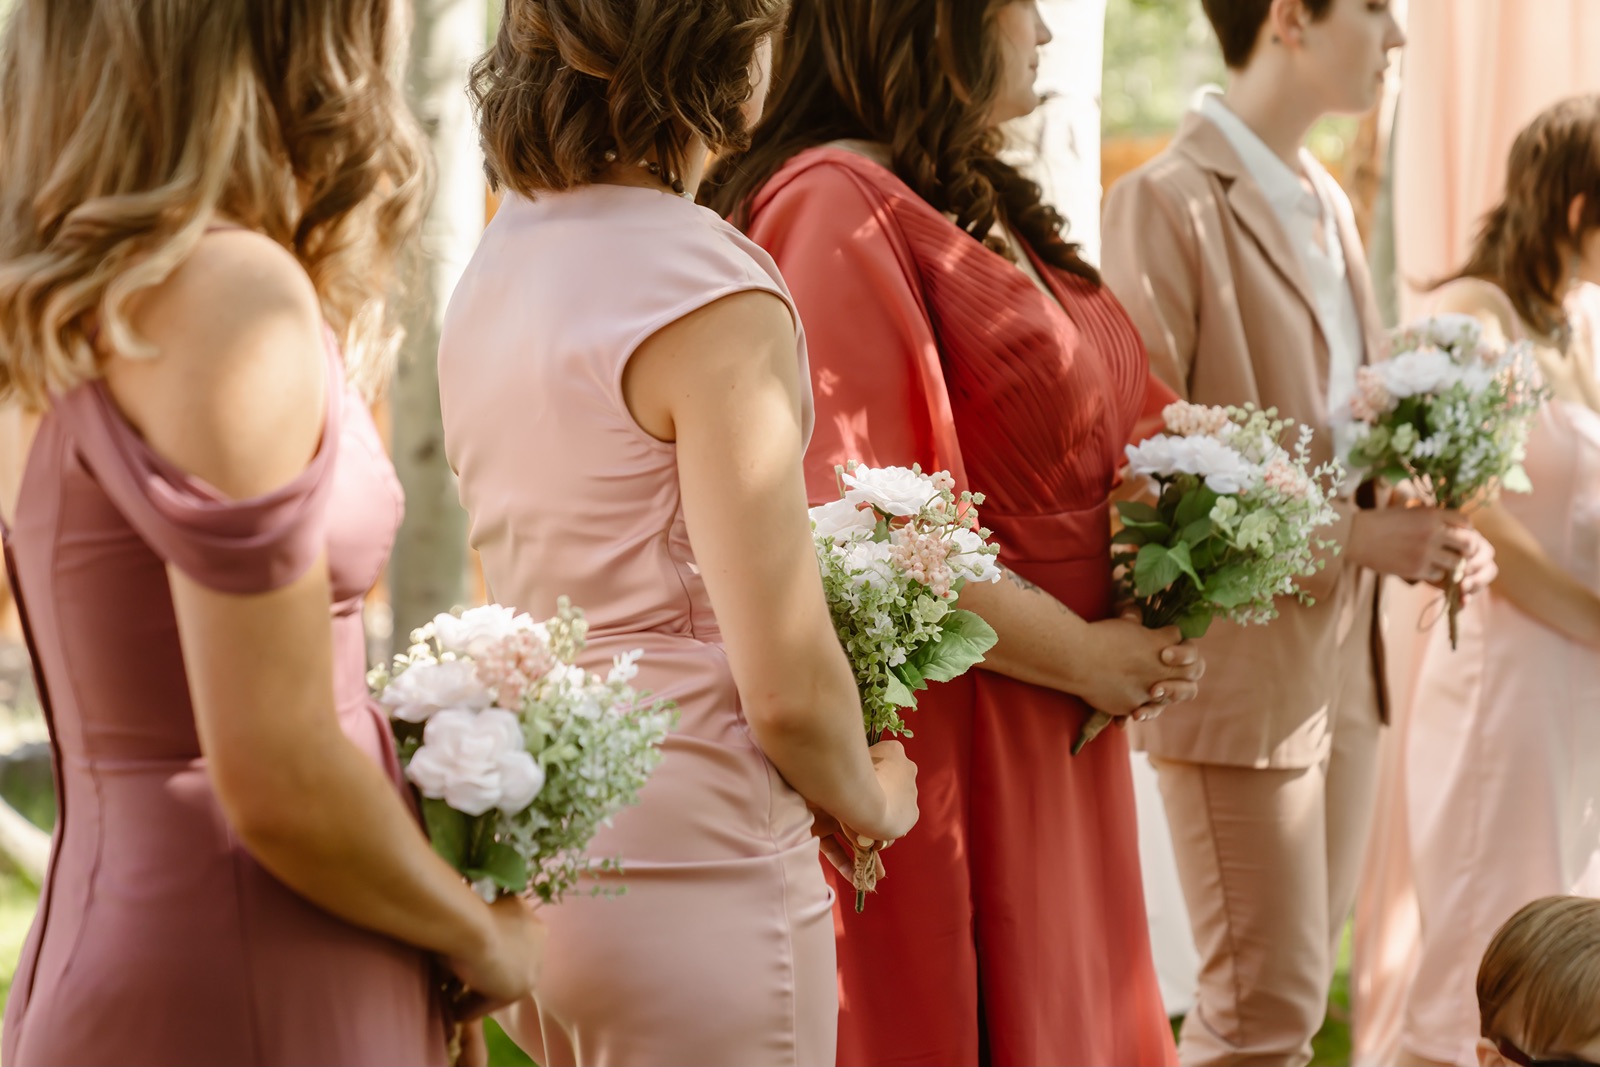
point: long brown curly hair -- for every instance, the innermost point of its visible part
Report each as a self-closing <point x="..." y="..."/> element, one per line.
<point x="130" y="126"/>
<point x="571" y="86"/>
<point x="1524" y="241"/>
<point x="920" y="78"/>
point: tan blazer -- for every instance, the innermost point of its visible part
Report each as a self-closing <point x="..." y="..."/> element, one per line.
<point x="1194" y="250"/>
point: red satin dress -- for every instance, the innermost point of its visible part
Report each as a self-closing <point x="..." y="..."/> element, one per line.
<point x="1011" y="927"/>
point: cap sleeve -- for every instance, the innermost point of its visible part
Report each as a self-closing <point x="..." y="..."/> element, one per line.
<point x="880" y="390"/>
<point x="231" y="546"/>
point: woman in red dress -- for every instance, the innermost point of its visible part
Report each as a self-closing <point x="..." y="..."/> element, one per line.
<point x="952" y="326"/>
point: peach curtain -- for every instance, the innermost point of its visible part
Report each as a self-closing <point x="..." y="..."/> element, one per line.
<point x="1474" y="72"/>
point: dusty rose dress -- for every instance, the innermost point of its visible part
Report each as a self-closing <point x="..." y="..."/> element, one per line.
<point x="721" y="949"/>
<point x="159" y="940"/>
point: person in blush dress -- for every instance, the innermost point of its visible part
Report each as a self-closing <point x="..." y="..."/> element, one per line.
<point x="952" y="326"/>
<point x="625" y="400"/>
<point x="1500" y="776"/>
<point x="200" y="204"/>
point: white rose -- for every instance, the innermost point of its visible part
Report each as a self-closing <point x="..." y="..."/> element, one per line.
<point x="1427" y="370"/>
<point x="1224" y="470"/>
<point x="892" y="490"/>
<point x="1153" y="456"/>
<point x="969" y="561"/>
<point x="476" y="629"/>
<point x="1450" y="331"/>
<point x="418" y="692"/>
<point x="474" y="761"/>
<point x="843" y="521"/>
<point x="870" y="563"/>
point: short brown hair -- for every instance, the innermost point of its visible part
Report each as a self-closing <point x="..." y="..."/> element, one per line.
<point x="1542" y="966"/>
<point x="1238" y="23"/>
<point x="569" y="81"/>
<point x="1524" y="239"/>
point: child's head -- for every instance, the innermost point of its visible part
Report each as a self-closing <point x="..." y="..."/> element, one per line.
<point x="1331" y="52"/>
<point x="1539" y="986"/>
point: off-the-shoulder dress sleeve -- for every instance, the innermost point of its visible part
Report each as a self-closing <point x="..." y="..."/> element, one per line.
<point x="231" y="546"/>
<point x="880" y="393"/>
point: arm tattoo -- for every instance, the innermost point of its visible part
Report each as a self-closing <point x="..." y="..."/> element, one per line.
<point x="1019" y="581"/>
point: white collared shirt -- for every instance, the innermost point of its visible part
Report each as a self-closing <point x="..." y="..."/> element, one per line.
<point x="1302" y="213"/>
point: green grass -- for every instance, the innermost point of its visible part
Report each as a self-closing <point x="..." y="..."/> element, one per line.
<point x="17" y="902"/>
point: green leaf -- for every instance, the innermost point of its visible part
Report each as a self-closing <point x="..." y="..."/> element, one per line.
<point x="1154" y="570"/>
<point x="1198" y="531"/>
<point x="1394" y="475"/>
<point x="1229" y="587"/>
<point x="1195" y="622"/>
<point x="910" y="674"/>
<point x="448" y="830"/>
<point x="1131" y="535"/>
<point x="1517" y="480"/>
<point x="1204" y="556"/>
<point x="1153" y="531"/>
<point x="504" y="866"/>
<point x="1179" y="554"/>
<point x="1133" y="511"/>
<point x="1195" y="506"/>
<point x="966" y="637"/>
<point x="897" y="694"/>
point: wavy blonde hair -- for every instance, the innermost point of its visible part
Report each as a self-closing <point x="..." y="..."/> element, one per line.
<point x="127" y="127"/>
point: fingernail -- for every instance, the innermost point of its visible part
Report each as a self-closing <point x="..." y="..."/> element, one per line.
<point x="1160" y="694"/>
<point x="863" y="840"/>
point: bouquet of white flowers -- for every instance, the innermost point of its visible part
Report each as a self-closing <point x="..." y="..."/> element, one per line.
<point x="895" y="552"/>
<point x="1232" y="526"/>
<point x="520" y="755"/>
<point x="1449" y="414"/>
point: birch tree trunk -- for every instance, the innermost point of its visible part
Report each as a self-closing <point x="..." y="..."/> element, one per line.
<point x="427" y="572"/>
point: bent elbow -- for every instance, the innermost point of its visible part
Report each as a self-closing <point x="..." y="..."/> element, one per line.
<point x="267" y="812"/>
<point x="775" y="718"/>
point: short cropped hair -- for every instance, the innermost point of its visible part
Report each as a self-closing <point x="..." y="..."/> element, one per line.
<point x="570" y="86"/>
<point x="1238" y="23"/>
<point x="1540" y="977"/>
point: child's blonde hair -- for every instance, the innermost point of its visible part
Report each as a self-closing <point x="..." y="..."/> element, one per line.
<point x="1540" y="978"/>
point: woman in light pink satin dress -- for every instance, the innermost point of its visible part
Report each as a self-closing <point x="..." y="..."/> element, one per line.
<point x="202" y="203"/>
<point x="1499" y="787"/>
<point x="622" y="376"/>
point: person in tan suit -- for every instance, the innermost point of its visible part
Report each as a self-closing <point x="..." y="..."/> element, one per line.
<point x="1238" y="259"/>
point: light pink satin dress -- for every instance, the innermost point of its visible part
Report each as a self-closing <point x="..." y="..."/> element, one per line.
<point x="1498" y="782"/>
<point x="721" y="951"/>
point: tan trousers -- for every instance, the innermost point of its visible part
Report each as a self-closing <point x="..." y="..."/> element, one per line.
<point x="1269" y="860"/>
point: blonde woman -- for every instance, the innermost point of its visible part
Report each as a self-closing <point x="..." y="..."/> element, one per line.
<point x="199" y="203"/>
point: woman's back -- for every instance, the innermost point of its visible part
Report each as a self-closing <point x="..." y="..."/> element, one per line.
<point x="1502" y="750"/>
<point x="559" y="295"/>
<point x="155" y="923"/>
<point x="569" y="496"/>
